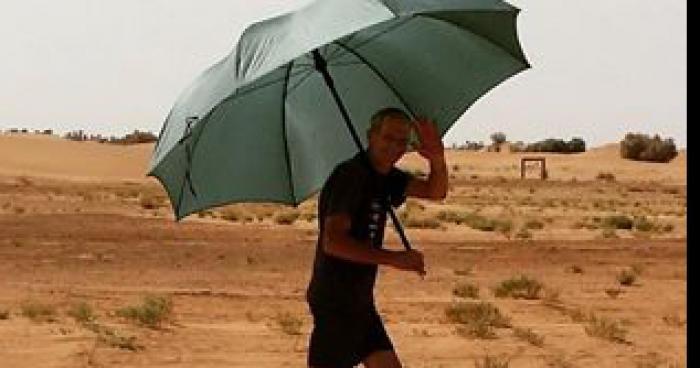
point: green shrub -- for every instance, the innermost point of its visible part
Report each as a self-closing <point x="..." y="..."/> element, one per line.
<point x="151" y="313"/>
<point x="641" y="147"/>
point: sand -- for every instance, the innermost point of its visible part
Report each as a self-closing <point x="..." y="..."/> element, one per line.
<point x="81" y="223"/>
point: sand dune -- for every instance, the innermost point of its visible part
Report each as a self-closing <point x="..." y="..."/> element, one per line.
<point x="48" y="156"/>
<point x="53" y="157"/>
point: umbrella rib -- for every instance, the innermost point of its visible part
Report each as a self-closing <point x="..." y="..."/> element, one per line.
<point x="380" y="75"/>
<point x="284" y="130"/>
<point x="338" y="52"/>
<point x="298" y="83"/>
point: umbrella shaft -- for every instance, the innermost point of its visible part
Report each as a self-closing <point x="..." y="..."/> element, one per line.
<point x="322" y="67"/>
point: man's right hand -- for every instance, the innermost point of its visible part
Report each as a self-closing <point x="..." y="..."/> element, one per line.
<point x="409" y="260"/>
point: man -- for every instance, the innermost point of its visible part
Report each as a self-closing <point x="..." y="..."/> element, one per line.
<point x="352" y="214"/>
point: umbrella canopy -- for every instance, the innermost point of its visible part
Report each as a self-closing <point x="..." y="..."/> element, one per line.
<point x="262" y="125"/>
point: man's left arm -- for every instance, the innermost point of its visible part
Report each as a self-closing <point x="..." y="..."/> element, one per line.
<point x="432" y="149"/>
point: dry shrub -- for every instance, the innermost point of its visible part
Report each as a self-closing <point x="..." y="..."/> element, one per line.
<point x="606" y="176"/>
<point x="287" y="217"/>
<point x="466" y="290"/>
<point x="528" y="335"/>
<point x="627" y="277"/>
<point x="37" y="311"/>
<point x="289" y="323"/>
<point x="152" y="312"/>
<point x="477" y="319"/>
<point x="521" y="287"/>
<point x="606" y="329"/>
<point x="492" y="362"/>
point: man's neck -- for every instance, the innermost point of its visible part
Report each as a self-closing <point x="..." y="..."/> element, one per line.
<point x="376" y="165"/>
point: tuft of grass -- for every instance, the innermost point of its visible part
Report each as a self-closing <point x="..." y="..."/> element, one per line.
<point x="609" y="234"/>
<point x="466" y="290"/>
<point x="530" y="336"/>
<point x="617" y="222"/>
<point x="641" y="223"/>
<point x="82" y="313"/>
<point x="477" y="319"/>
<point x="490" y="361"/>
<point x="626" y="277"/>
<point x="575" y="269"/>
<point x="551" y="296"/>
<point x="289" y="323"/>
<point x="521" y="287"/>
<point x="152" y="312"/>
<point x="286" y="217"/>
<point x="475" y="221"/>
<point x="607" y="329"/>
<point x="606" y="176"/>
<point x="421" y="222"/>
<point x="150" y="202"/>
<point x="113" y="338"/>
<point x="523" y="234"/>
<point x="613" y="292"/>
<point x="4" y="314"/>
<point x="534" y="225"/>
<point x="673" y="320"/>
<point x="38" y="312"/>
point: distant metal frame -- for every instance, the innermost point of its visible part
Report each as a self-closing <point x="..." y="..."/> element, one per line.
<point x="543" y="166"/>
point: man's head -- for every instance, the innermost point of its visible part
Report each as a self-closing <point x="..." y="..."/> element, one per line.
<point x="388" y="136"/>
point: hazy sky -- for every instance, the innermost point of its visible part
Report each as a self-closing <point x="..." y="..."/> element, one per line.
<point x="600" y="67"/>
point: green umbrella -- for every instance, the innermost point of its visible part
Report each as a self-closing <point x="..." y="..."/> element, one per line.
<point x="265" y="124"/>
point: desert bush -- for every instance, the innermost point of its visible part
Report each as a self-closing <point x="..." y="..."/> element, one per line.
<point x="609" y="234"/>
<point x="4" y="314"/>
<point x="37" y="311"/>
<point x="641" y="223"/>
<point x="641" y="147"/>
<point x="149" y="202"/>
<point x="523" y="234"/>
<point x="528" y="335"/>
<point x="521" y="287"/>
<point x="152" y="312"/>
<point x="289" y="323"/>
<point x="477" y="319"/>
<point x="575" y="269"/>
<point x="82" y="313"/>
<point x="466" y="290"/>
<point x="613" y="292"/>
<point x="423" y="222"/>
<point x="618" y="222"/>
<point x="286" y="217"/>
<point x="475" y="221"/>
<point x="606" y="176"/>
<point x="673" y="320"/>
<point x="626" y="277"/>
<point x="492" y="362"/>
<point x="606" y="329"/>
<point x="534" y="225"/>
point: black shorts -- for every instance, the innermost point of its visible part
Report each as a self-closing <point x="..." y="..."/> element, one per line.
<point x="344" y="338"/>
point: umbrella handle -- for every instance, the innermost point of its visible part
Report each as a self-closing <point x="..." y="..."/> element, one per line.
<point x="322" y="68"/>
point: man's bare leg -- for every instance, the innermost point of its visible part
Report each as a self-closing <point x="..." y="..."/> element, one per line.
<point x="382" y="359"/>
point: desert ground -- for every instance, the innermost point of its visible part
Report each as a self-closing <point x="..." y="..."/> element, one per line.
<point x="584" y="269"/>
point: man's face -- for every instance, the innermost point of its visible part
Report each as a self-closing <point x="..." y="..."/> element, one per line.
<point x="389" y="142"/>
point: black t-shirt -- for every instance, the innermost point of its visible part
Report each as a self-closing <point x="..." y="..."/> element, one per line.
<point x="354" y="188"/>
